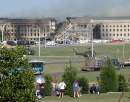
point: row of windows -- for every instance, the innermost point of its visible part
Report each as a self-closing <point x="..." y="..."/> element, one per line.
<point x="82" y="26"/>
<point x="115" y="34"/>
<point x="115" y="29"/>
<point x="115" y="25"/>
<point x="31" y="34"/>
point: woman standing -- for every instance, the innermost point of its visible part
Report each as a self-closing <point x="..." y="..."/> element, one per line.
<point x="75" y="89"/>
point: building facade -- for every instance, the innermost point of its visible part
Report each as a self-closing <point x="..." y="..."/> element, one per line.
<point x="109" y="28"/>
<point x="115" y="29"/>
<point x="27" y="29"/>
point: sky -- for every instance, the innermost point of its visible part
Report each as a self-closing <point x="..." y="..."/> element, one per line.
<point x="64" y="8"/>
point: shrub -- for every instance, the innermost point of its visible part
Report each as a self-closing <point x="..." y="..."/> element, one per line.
<point x="109" y="81"/>
<point x="17" y="80"/>
<point x="122" y="85"/>
<point x="83" y="82"/>
<point x="68" y="77"/>
<point x="48" y="86"/>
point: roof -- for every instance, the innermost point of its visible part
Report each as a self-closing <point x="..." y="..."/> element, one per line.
<point x="82" y="20"/>
<point x="36" y="61"/>
<point x="26" y="20"/>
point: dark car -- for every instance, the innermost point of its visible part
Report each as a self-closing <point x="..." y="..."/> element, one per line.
<point x="12" y="43"/>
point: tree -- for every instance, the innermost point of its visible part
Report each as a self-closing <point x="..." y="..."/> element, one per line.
<point x="68" y="77"/>
<point x="109" y="81"/>
<point x="83" y="82"/>
<point x="122" y="85"/>
<point x="48" y="86"/>
<point x="16" y="77"/>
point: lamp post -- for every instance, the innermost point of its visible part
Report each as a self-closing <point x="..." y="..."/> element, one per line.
<point x="39" y="47"/>
<point x="123" y="52"/>
<point x="91" y="21"/>
<point x="45" y="36"/>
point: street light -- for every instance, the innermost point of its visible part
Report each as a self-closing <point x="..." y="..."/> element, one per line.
<point x="45" y="36"/>
<point x="91" y="22"/>
<point x="39" y="47"/>
<point x="123" y="51"/>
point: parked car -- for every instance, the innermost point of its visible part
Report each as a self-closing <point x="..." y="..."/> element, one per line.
<point x="51" y="43"/>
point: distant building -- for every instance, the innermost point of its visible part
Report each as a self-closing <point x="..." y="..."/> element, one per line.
<point x="107" y="28"/>
<point x="27" y="29"/>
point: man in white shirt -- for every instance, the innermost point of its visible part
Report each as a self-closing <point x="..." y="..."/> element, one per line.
<point x="62" y="86"/>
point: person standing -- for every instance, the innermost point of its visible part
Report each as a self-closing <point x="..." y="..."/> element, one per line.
<point x="53" y="88"/>
<point x="62" y="87"/>
<point x="75" y="89"/>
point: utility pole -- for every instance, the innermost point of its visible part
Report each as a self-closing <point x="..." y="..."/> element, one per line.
<point x="45" y="37"/>
<point x="123" y="52"/>
<point x="39" y="47"/>
<point x="91" y="22"/>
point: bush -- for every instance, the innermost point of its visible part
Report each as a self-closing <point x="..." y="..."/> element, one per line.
<point x="83" y="82"/>
<point x="109" y="81"/>
<point x="122" y="85"/>
<point x="48" y="86"/>
<point x="17" y="80"/>
<point x="68" y="77"/>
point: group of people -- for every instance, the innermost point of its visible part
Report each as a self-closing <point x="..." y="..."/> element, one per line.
<point x="59" y="89"/>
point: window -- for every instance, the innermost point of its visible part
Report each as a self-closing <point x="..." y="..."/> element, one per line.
<point x="117" y="34"/>
<point x="124" y="29"/>
<point x="117" y="29"/>
<point x="124" y="25"/>
<point x="85" y="26"/>
<point x="120" y="25"/>
<point x="120" y="29"/>
<point x="124" y="34"/>
<point x="113" y="29"/>
<point x="120" y="34"/>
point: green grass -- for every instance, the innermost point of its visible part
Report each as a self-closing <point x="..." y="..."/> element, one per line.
<point x="110" y="50"/>
<point x="91" y="76"/>
<point x="88" y="98"/>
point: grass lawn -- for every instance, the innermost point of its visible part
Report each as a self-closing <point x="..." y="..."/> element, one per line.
<point x="63" y="53"/>
<point x="91" y="76"/>
<point x="110" y="50"/>
<point x="88" y="98"/>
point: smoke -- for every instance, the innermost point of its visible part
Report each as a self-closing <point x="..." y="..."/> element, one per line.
<point x="64" y="8"/>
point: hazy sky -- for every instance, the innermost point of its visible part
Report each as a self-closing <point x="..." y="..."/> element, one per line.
<point x="63" y="8"/>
